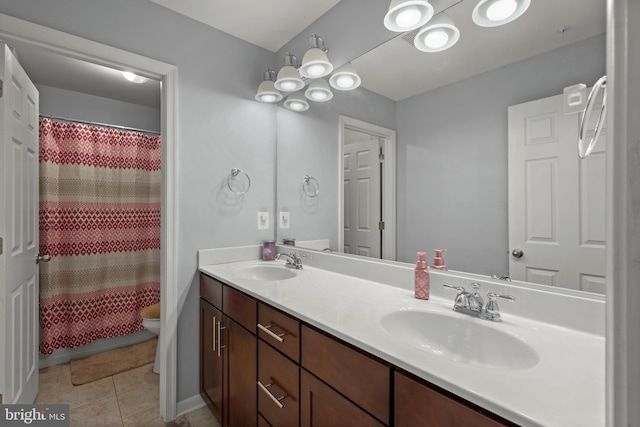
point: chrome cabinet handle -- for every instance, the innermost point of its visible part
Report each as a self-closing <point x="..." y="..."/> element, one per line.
<point x="213" y="327"/>
<point x="42" y="258"/>
<point x="220" y="328"/>
<point x="271" y="334"/>
<point x="276" y="400"/>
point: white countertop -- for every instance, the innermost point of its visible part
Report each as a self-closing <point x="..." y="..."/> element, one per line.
<point x="565" y="388"/>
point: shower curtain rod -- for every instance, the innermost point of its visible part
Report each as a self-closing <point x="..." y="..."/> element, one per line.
<point x="99" y="124"/>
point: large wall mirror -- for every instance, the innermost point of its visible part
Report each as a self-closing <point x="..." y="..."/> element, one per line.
<point x="450" y="111"/>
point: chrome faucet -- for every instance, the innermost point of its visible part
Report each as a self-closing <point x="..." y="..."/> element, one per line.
<point x="294" y="260"/>
<point x="473" y="304"/>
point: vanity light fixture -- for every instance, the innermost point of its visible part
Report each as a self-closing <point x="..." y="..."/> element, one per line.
<point x="319" y="91"/>
<point x="315" y="62"/>
<point x="493" y="13"/>
<point x="438" y="35"/>
<point x="288" y="77"/>
<point x="296" y="102"/>
<point x="407" y="15"/>
<point x="345" y="78"/>
<point x="134" y="78"/>
<point x="267" y="91"/>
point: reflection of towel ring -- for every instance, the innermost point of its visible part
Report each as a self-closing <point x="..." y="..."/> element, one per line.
<point x="306" y="184"/>
<point x="234" y="173"/>
<point x="601" y="83"/>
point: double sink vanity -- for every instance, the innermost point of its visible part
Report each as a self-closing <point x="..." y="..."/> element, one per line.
<point x="343" y="341"/>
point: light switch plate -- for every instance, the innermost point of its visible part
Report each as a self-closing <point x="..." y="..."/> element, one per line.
<point x="284" y="219"/>
<point x="263" y="220"/>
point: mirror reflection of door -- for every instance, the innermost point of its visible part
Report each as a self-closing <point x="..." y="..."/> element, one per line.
<point x="367" y="196"/>
<point x="556" y="200"/>
<point x="362" y="194"/>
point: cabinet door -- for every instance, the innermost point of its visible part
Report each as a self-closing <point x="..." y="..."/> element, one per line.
<point x="241" y="358"/>
<point x="321" y="406"/>
<point x="211" y="365"/>
<point x="417" y="404"/>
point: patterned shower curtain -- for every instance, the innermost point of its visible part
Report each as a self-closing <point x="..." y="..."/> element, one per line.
<point x="100" y="223"/>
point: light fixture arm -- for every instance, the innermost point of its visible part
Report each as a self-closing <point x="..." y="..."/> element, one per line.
<point x="290" y="60"/>
<point x="316" y="41"/>
<point x="269" y="74"/>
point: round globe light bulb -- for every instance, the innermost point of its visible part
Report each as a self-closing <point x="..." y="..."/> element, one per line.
<point x="288" y="86"/>
<point x="268" y="98"/>
<point x="408" y="17"/>
<point x="436" y="38"/>
<point x="345" y="81"/>
<point x="319" y="95"/>
<point x="316" y="70"/>
<point x="297" y="106"/>
<point x="502" y="9"/>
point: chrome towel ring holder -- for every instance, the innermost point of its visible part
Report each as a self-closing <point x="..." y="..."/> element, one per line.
<point x="600" y="84"/>
<point x="233" y="176"/>
<point x="310" y="186"/>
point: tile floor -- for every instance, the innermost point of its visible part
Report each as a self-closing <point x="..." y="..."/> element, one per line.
<point x="128" y="399"/>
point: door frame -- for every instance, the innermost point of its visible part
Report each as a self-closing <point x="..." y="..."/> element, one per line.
<point x="388" y="181"/>
<point x="54" y="41"/>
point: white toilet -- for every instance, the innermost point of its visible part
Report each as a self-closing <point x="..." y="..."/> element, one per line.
<point x="153" y="326"/>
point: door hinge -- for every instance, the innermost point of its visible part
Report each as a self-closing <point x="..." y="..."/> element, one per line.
<point x="0" y="88"/>
<point x="381" y="158"/>
<point x="1" y="245"/>
<point x="381" y="225"/>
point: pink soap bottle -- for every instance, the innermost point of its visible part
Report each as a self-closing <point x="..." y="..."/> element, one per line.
<point x="438" y="261"/>
<point x="422" y="277"/>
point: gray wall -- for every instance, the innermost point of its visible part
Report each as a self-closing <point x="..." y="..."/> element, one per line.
<point x="81" y="106"/>
<point x="452" y="156"/>
<point x="220" y="126"/>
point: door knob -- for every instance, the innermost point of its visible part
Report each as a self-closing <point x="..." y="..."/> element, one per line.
<point x="43" y="258"/>
<point x="517" y="253"/>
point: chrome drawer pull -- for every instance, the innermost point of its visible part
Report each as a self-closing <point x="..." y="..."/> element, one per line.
<point x="276" y="400"/>
<point x="213" y="344"/>
<point x="274" y="336"/>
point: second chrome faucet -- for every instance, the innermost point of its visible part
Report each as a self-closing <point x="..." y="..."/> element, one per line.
<point x="473" y="304"/>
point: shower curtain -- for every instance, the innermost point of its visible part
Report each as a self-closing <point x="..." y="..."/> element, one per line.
<point x="100" y="223"/>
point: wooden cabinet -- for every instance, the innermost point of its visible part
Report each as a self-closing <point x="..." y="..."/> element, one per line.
<point x="228" y="353"/>
<point x="322" y="406"/>
<point x="416" y="403"/>
<point x="278" y="387"/>
<point x="362" y="379"/>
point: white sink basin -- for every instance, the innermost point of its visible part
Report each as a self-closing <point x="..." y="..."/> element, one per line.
<point x="264" y="272"/>
<point x="460" y="339"/>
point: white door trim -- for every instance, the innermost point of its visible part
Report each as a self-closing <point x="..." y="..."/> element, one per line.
<point x="13" y="29"/>
<point x="388" y="181"/>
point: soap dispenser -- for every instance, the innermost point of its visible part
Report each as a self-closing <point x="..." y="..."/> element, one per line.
<point x="438" y="261"/>
<point x="422" y="277"/>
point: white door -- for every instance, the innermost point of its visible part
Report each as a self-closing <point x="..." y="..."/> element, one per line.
<point x="556" y="200"/>
<point x="362" y="208"/>
<point x="19" y="329"/>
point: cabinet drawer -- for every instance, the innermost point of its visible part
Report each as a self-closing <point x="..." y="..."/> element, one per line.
<point x="357" y="376"/>
<point x="240" y="307"/>
<point x="211" y="290"/>
<point x="278" y="400"/>
<point x="280" y="330"/>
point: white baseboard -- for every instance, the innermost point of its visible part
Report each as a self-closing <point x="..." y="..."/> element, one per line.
<point x="189" y="404"/>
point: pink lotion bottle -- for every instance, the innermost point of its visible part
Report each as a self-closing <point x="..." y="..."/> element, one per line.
<point x="422" y="277"/>
<point x="438" y="261"/>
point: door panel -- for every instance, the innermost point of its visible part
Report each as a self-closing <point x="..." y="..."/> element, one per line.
<point x="19" y="230"/>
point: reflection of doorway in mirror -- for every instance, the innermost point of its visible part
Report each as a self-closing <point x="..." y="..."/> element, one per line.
<point x="362" y="194"/>
<point x="367" y="202"/>
<point x="556" y="200"/>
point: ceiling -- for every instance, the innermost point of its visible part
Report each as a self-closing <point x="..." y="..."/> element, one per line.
<point x="537" y="31"/>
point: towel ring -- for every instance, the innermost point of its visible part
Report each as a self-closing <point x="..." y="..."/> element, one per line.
<point x="306" y="184"/>
<point x="600" y="84"/>
<point x="234" y="173"/>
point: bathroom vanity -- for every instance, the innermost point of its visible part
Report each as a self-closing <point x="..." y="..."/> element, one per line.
<point x="316" y="346"/>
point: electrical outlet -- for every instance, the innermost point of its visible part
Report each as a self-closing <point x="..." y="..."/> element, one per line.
<point x="284" y="219"/>
<point x="263" y="220"/>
